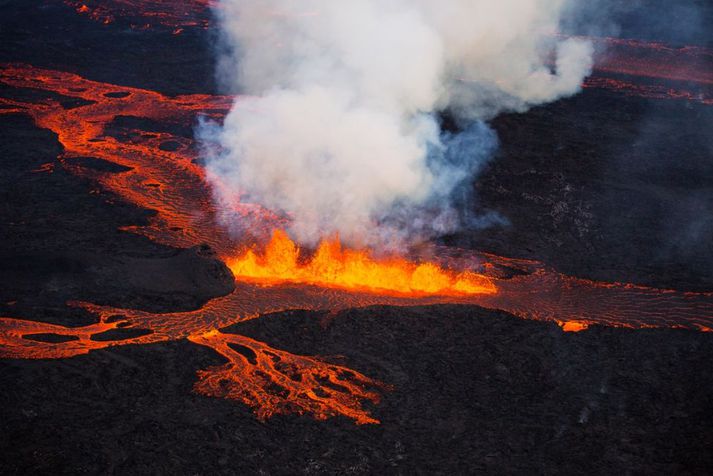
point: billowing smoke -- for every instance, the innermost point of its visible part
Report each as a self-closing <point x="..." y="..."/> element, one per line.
<point x="338" y="128"/>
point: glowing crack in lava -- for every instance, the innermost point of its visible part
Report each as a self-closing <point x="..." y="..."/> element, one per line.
<point x="162" y="175"/>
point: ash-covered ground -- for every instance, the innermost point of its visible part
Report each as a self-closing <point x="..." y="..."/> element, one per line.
<point x="602" y="185"/>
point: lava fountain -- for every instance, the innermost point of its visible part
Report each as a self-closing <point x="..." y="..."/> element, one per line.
<point x="332" y="266"/>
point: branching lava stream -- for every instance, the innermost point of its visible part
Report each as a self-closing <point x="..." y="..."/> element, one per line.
<point x="162" y="175"/>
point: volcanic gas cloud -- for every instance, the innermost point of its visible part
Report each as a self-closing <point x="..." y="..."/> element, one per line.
<point x="340" y="131"/>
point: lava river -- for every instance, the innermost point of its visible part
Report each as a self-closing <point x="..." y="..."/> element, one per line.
<point x="273" y="274"/>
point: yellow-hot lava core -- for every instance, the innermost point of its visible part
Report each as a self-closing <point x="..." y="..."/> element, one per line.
<point x="333" y="266"/>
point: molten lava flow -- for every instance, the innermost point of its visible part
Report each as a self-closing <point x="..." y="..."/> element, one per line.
<point x="690" y="64"/>
<point x="18" y="339"/>
<point x="278" y="383"/>
<point x="652" y="70"/>
<point x="172" y="13"/>
<point x="161" y="174"/>
<point x="573" y="326"/>
<point x="649" y="91"/>
<point x="332" y="266"/>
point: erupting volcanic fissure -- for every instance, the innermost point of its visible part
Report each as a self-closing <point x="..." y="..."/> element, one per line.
<point x="333" y="266"/>
<point x="278" y="276"/>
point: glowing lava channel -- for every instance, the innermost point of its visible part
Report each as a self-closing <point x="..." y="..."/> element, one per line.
<point x="275" y="382"/>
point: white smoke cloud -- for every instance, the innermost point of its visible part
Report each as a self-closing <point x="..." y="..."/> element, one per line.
<point x="338" y="127"/>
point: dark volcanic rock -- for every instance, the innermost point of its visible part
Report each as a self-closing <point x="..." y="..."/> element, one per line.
<point x="50" y="337"/>
<point x="604" y="187"/>
<point x="50" y="34"/>
<point x="474" y="391"/>
<point x="61" y="243"/>
<point x="97" y="164"/>
<point x="120" y="334"/>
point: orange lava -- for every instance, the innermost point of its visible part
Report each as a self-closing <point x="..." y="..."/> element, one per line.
<point x="573" y="326"/>
<point x="276" y="382"/>
<point x="162" y="175"/>
<point x="172" y="13"/>
<point x="333" y="266"/>
<point x="165" y="180"/>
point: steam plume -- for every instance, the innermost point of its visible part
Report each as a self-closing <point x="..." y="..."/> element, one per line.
<point x="339" y="128"/>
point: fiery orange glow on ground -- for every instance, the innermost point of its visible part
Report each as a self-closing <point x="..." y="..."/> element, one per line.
<point x="162" y="175"/>
<point x="276" y="382"/>
<point x="573" y="326"/>
<point x="333" y="266"/>
<point x="171" y="13"/>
